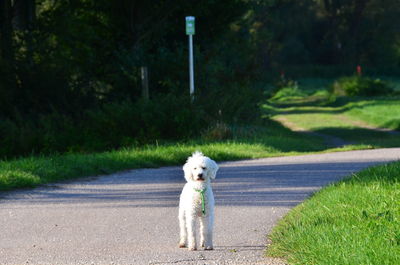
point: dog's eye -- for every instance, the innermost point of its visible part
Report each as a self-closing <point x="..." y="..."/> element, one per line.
<point x="203" y="167"/>
<point x="195" y="168"/>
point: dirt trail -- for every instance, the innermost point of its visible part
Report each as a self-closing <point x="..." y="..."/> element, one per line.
<point x="362" y="124"/>
<point x="330" y="140"/>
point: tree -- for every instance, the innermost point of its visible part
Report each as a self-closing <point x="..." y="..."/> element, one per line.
<point x="6" y="49"/>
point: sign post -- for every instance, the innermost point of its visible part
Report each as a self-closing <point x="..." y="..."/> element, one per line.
<point x="190" y="32"/>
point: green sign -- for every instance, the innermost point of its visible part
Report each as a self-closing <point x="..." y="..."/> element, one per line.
<point x="190" y="25"/>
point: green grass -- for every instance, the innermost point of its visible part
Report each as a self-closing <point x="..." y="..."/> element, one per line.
<point x="245" y="142"/>
<point x="311" y="96"/>
<point x="346" y="118"/>
<point x="384" y="112"/>
<point x="355" y="221"/>
<point x="380" y="112"/>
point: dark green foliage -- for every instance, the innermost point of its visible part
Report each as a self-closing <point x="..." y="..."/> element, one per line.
<point x="217" y="132"/>
<point x="166" y="117"/>
<point x="70" y="69"/>
<point x="360" y="86"/>
<point x="110" y="126"/>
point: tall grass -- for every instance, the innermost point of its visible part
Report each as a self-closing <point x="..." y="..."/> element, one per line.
<point x="356" y="221"/>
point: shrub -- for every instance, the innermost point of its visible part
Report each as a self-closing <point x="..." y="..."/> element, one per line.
<point x="232" y="104"/>
<point x="288" y="92"/>
<point x="144" y="121"/>
<point x="219" y="131"/>
<point x="360" y="86"/>
<point x="109" y="126"/>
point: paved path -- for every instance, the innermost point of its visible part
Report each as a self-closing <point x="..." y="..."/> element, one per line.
<point x="131" y="217"/>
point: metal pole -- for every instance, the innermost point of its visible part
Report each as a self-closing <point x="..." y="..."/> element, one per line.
<point x="191" y="70"/>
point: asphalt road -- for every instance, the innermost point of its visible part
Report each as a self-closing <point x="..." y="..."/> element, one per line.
<point x="131" y="217"/>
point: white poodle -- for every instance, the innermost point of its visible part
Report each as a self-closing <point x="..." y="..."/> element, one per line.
<point x="197" y="202"/>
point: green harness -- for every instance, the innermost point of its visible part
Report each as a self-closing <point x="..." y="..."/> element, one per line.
<point x="203" y="203"/>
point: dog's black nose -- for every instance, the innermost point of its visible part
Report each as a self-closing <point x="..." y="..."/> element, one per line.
<point x="200" y="175"/>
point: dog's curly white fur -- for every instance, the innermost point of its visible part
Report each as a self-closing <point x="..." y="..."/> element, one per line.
<point x="197" y="202"/>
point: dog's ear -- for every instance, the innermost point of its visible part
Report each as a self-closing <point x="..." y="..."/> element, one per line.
<point x="213" y="168"/>
<point x="187" y="172"/>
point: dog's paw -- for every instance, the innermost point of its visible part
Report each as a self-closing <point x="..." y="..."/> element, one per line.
<point x="182" y="245"/>
<point x="208" y="248"/>
<point x="192" y="248"/>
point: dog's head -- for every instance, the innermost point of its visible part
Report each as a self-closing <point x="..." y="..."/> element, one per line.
<point x="199" y="168"/>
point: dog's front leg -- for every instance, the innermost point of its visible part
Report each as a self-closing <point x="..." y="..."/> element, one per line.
<point x="191" y="232"/>
<point x="182" y="226"/>
<point x="206" y="232"/>
<point x="203" y="231"/>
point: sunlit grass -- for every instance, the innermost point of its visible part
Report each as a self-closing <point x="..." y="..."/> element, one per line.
<point x="384" y="113"/>
<point x="352" y="120"/>
<point x="356" y="221"/>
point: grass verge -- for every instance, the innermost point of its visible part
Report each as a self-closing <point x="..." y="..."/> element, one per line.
<point x="244" y="142"/>
<point x="355" y="221"/>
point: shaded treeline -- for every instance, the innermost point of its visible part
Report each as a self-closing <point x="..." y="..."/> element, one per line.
<point x="70" y="70"/>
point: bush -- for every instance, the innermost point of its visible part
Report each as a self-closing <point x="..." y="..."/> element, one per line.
<point x="110" y="126"/>
<point x="219" y="131"/>
<point x="232" y="104"/>
<point x="288" y="92"/>
<point x="37" y="134"/>
<point x="360" y="86"/>
<point x="125" y="123"/>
